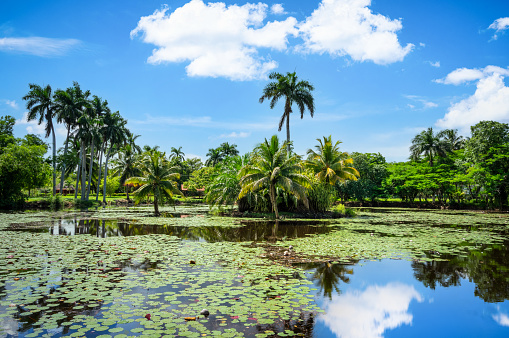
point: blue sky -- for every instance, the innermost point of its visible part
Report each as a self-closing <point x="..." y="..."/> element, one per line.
<point x="190" y="73"/>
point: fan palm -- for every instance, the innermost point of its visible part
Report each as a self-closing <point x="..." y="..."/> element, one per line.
<point x="40" y="105"/>
<point x="429" y="144"/>
<point x="273" y="168"/>
<point x="293" y="91"/>
<point x="329" y="163"/>
<point x="158" y="180"/>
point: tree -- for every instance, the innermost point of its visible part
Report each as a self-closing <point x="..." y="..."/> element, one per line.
<point x="223" y="187"/>
<point x="6" y="131"/>
<point x="429" y="144"/>
<point x="158" y="180"/>
<point x="70" y="104"/>
<point x="273" y="168"/>
<point x="228" y="150"/>
<point x="293" y="91"/>
<point x="177" y="154"/>
<point x="125" y="166"/>
<point x="41" y="106"/>
<point x="485" y="134"/>
<point x="452" y="139"/>
<point x="214" y="157"/>
<point x="329" y="163"/>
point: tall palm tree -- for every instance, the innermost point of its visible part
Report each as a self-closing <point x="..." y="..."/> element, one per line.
<point x="115" y="134"/>
<point x="452" y="139"/>
<point x="329" y="163"/>
<point x="429" y="144"/>
<point x="158" y="180"/>
<point x="177" y="154"/>
<point x="228" y="149"/>
<point x="41" y="106"/>
<point x="293" y="91"/>
<point x="273" y="168"/>
<point x="70" y="105"/>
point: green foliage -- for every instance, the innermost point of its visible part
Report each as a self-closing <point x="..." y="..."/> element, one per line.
<point x="56" y="202"/>
<point x="200" y="179"/>
<point x="112" y="185"/>
<point x="429" y="144"/>
<point x="6" y="126"/>
<point x="224" y="186"/>
<point x="273" y="168"/>
<point x="321" y="195"/>
<point x="485" y="134"/>
<point x="219" y="154"/>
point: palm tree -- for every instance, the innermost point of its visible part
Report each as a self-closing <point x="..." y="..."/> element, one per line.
<point x="125" y="165"/>
<point x="115" y="133"/>
<point x="225" y="186"/>
<point x="158" y="180"/>
<point x="70" y="105"/>
<point x="273" y="168"/>
<point x="215" y="156"/>
<point x="228" y="149"/>
<point x="329" y="163"/>
<point x="41" y="106"/>
<point x="429" y="144"/>
<point x="177" y="154"/>
<point x="453" y="140"/>
<point x="294" y="91"/>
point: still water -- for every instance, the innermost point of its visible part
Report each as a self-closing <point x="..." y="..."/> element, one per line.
<point x="458" y="296"/>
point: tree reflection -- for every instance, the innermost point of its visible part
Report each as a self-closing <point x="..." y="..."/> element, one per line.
<point x="328" y="276"/>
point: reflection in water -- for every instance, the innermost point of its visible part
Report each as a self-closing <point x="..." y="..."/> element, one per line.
<point x="327" y="276"/>
<point x="501" y="318"/>
<point x="371" y="312"/>
<point x="250" y="231"/>
<point x="438" y="272"/>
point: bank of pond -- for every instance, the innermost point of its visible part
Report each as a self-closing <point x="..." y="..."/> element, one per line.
<point x="120" y="271"/>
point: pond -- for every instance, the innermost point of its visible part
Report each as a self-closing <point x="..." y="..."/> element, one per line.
<point x="386" y="273"/>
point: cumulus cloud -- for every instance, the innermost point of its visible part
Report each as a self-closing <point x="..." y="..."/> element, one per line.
<point x="349" y="27"/>
<point x="501" y="319"/>
<point x="489" y="102"/>
<point x="11" y="103"/>
<point x="371" y="312"/>
<point x="39" y="46"/>
<point x="499" y="25"/>
<point x="277" y="9"/>
<point x="434" y="64"/>
<point x="217" y="40"/>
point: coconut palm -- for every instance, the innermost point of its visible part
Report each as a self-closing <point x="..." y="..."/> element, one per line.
<point x="157" y="180"/>
<point x="225" y="186"/>
<point x="429" y="144"/>
<point x="126" y="165"/>
<point x="215" y="156"/>
<point x="228" y="150"/>
<point x="40" y="105"/>
<point x="273" y="169"/>
<point x="70" y="105"/>
<point x="177" y="154"/>
<point x="452" y="139"/>
<point x="293" y="91"/>
<point x="329" y="163"/>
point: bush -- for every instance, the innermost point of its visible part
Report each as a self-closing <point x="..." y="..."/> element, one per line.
<point x="55" y="202"/>
<point x="340" y="209"/>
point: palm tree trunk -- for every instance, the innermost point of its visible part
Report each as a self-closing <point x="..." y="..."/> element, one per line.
<point x="83" y="171"/>
<point x="288" y="133"/>
<point x="78" y="176"/>
<point x="90" y="169"/>
<point x="54" y="161"/>
<point x="273" y="200"/>
<point x="63" y="162"/>
<point x="100" y="171"/>
<point x="156" y="205"/>
<point x="106" y="174"/>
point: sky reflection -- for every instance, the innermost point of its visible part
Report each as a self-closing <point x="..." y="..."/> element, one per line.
<point x="371" y="312"/>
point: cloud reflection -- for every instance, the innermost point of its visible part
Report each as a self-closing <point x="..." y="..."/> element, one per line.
<point x="370" y="312"/>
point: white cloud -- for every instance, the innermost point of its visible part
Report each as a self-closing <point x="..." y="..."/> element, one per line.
<point x="235" y="135"/>
<point x="501" y="319"/>
<point x="33" y="128"/>
<point x="434" y="64"/>
<point x="11" y="104"/>
<point x="489" y="102"/>
<point x="217" y="40"/>
<point x="499" y="25"/>
<point x="371" y="312"/>
<point x="425" y="103"/>
<point x="277" y="9"/>
<point x="348" y="27"/>
<point x="39" y="46"/>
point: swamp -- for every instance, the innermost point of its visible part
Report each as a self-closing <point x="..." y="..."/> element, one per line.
<point x="120" y="272"/>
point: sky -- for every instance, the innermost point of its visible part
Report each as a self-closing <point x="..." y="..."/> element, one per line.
<point x="190" y="73"/>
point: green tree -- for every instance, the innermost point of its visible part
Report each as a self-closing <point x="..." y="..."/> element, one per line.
<point x="157" y="180"/>
<point x="6" y="131"/>
<point x="126" y="166"/>
<point x="177" y="154"/>
<point x="429" y="144"/>
<point x="224" y="182"/>
<point x="228" y="150"/>
<point x="329" y="163"/>
<point x="293" y="91"/>
<point x="485" y="134"/>
<point x="215" y="156"/>
<point x="273" y="168"/>
<point x="41" y="107"/>
<point x="453" y="140"/>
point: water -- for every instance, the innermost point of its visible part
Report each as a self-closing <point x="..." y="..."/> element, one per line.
<point x="462" y="295"/>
